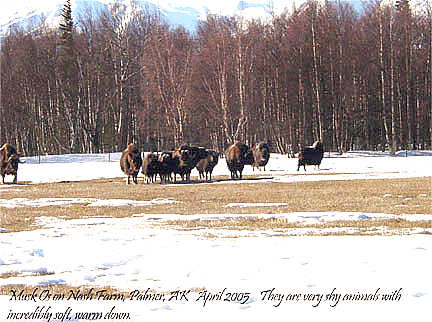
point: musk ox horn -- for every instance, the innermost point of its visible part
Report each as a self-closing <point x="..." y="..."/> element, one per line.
<point x="14" y="156"/>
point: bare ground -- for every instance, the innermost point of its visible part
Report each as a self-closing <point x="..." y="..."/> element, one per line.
<point x="392" y="196"/>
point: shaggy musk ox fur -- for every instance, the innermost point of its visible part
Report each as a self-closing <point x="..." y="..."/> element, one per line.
<point x="150" y="167"/>
<point x="188" y="157"/>
<point x="261" y="154"/>
<point x="310" y="155"/>
<point x="168" y="164"/>
<point x="237" y="156"/>
<point x="9" y="159"/>
<point x="130" y="162"/>
<point x="205" y="166"/>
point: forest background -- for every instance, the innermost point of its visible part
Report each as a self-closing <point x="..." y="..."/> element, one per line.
<point x="355" y="79"/>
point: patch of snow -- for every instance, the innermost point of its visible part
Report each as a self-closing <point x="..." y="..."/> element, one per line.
<point x="42" y="202"/>
<point x="256" y="204"/>
<point x="122" y="203"/>
<point x="417" y="217"/>
<point x="307" y="218"/>
<point x="91" y="202"/>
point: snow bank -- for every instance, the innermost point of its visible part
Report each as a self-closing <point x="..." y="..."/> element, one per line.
<point x="106" y="251"/>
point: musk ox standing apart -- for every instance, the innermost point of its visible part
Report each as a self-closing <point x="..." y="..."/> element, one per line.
<point x="237" y="156"/>
<point x="311" y="155"/>
<point x="261" y="154"/>
<point x="9" y="159"/>
<point x="130" y="162"/>
<point x="150" y="167"/>
<point x="205" y="166"/>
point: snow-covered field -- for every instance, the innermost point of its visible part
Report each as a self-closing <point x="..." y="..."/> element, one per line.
<point x="281" y="275"/>
<point x="352" y="165"/>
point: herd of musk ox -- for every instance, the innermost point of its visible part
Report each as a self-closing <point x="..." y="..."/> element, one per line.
<point x="168" y="164"/>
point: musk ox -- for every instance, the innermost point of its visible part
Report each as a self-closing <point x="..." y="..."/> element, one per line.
<point x="168" y="164"/>
<point x="237" y="156"/>
<point x="205" y="166"/>
<point x="261" y="154"/>
<point x="310" y="155"/>
<point x="188" y="157"/>
<point x="9" y="160"/>
<point x="151" y="167"/>
<point x="130" y="162"/>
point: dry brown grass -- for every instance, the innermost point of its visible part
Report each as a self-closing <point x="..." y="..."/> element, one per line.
<point x="395" y="196"/>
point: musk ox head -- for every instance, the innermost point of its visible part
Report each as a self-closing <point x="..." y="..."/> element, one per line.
<point x="246" y="156"/>
<point x="191" y="155"/>
<point x="12" y="162"/>
<point x="261" y="153"/>
<point x="317" y="145"/>
<point x="165" y="156"/>
<point x="9" y="158"/>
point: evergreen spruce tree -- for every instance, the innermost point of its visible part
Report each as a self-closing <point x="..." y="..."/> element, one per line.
<point x="66" y="29"/>
<point x="68" y="73"/>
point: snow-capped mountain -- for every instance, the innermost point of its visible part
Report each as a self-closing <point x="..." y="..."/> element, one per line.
<point x="176" y="12"/>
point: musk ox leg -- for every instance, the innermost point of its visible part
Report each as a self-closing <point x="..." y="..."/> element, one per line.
<point x="188" y="175"/>
<point x="15" y="179"/>
<point x="3" y="178"/>
<point x="235" y="174"/>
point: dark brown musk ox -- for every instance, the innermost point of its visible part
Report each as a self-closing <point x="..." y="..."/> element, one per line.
<point x="168" y="164"/>
<point x="261" y="154"/>
<point x="205" y="166"/>
<point x="310" y="155"/>
<point x="130" y="162"/>
<point x="9" y="160"/>
<point x="188" y="157"/>
<point x="237" y="156"/>
<point x="150" y="167"/>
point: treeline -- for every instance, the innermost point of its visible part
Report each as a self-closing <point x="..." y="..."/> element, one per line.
<point x="354" y="80"/>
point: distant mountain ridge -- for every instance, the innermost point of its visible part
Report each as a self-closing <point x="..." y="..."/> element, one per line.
<point x="175" y="12"/>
